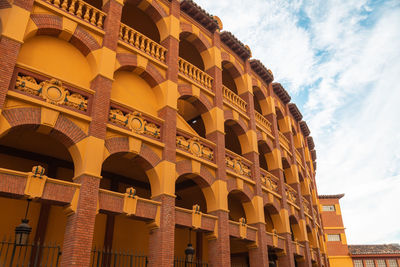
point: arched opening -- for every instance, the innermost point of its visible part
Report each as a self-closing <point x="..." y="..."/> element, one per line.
<point x="228" y="76"/>
<point x="258" y="96"/>
<point x="239" y="249"/>
<point x="22" y="148"/>
<point x="190" y="112"/>
<point x="122" y="171"/>
<point x="232" y="133"/>
<point x="188" y="191"/>
<point x="188" y="50"/>
<point x="96" y="3"/>
<point x="269" y="211"/>
<point x="282" y="127"/>
<point x="135" y="18"/>
<point x="294" y="228"/>
<point x="263" y="150"/>
<point x="286" y="169"/>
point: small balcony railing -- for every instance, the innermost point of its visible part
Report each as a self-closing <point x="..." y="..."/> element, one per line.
<point x="195" y="145"/>
<point x="234" y="99"/>
<point x="262" y="121"/>
<point x="306" y="206"/>
<point x="142" y="42"/>
<point x="284" y="141"/>
<point x="269" y="180"/>
<point x="195" y="73"/>
<point x="291" y="194"/>
<point x="82" y="10"/>
<point x="238" y="164"/>
<point x="298" y="157"/>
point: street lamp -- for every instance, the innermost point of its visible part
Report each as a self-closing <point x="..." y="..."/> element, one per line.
<point x="23" y="230"/>
<point x="189" y="251"/>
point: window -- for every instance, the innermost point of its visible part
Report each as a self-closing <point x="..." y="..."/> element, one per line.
<point x="333" y="237"/>
<point x="380" y="263"/>
<point x="369" y="263"/>
<point x="328" y="208"/>
<point x="358" y="263"/>
<point x="392" y="263"/>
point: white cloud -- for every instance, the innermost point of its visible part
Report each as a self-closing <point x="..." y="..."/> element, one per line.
<point x="344" y="58"/>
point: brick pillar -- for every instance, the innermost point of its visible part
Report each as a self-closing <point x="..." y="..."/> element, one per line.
<point x="259" y="254"/>
<point x="162" y="239"/>
<point x="80" y="225"/>
<point x="10" y="44"/>
<point x="287" y="258"/>
<point x="307" y="255"/>
<point x="219" y="253"/>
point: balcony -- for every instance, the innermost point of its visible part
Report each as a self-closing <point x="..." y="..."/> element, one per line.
<point x="195" y="218"/>
<point x="238" y="165"/>
<point x="37" y="185"/>
<point x="81" y="10"/>
<point x="234" y="100"/>
<point x="306" y="206"/>
<point x="275" y="240"/>
<point x="242" y="230"/>
<point x="291" y="195"/>
<point x="263" y="123"/>
<point x="299" y="249"/>
<point x="142" y="43"/>
<point x="284" y="142"/>
<point x="133" y="121"/>
<point x="41" y="89"/>
<point x="196" y="146"/>
<point x="195" y="74"/>
<point x="269" y="181"/>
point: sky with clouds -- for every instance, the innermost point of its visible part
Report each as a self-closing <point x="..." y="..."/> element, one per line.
<point x="340" y="62"/>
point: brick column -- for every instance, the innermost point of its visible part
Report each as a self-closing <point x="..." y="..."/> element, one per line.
<point x="219" y="248"/>
<point x="162" y="239"/>
<point x="287" y="258"/>
<point x="80" y="225"/>
<point x="10" y="43"/>
<point x="259" y="254"/>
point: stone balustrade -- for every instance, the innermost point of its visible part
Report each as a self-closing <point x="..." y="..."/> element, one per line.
<point x="263" y="122"/>
<point x="195" y="145"/>
<point x="269" y="180"/>
<point x="82" y="10"/>
<point x="291" y="194"/>
<point x="195" y="73"/>
<point x="142" y="42"/>
<point x="234" y="99"/>
<point x="284" y="141"/>
<point x="306" y="205"/>
<point x="237" y="164"/>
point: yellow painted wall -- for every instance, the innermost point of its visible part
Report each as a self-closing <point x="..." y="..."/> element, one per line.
<point x="130" y="234"/>
<point x="99" y="230"/>
<point x="340" y="262"/>
<point x="57" y="58"/>
<point x="56" y="226"/>
<point x="129" y="89"/>
<point x="182" y="240"/>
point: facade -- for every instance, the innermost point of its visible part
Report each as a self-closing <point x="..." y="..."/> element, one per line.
<point x="342" y="255"/>
<point x="141" y="126"/>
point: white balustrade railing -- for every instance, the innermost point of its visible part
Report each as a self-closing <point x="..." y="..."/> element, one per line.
<point x="234" y="99"/>
<point x="142" y="42"/>
<point x="195" y="73"/>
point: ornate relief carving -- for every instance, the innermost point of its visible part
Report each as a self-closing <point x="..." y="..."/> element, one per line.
<point x="194" y="147"/>
<point x="291" y="195"/>
<point x="269" y="183"/>
<point x="52" y="91"/>
<point x="306" y="206"/>
<point x="135" y="122"/>
<point x="238" y="166"/>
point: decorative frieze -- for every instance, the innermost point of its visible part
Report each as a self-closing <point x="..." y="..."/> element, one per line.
<point x="306" y="206"/>
<point x="52" y="91"/>
<point x="135" y="122"/>
<point x="194" y="147"/>
<point x="291" y="194"/>
<point x="267" y="180"/>
<point x="237" y="165"/>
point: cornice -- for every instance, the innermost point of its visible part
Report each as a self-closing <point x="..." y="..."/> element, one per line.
<point x="243" y="51"/>
<point x="295" y="111"/>
<point x="199" y="15"/>
<point x="281" y="93"/>
<point x="259" y="68"/>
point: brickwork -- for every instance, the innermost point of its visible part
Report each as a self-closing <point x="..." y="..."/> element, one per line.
<point x="80" y="226"/>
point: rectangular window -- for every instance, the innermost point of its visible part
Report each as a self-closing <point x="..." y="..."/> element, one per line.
<point x="358" y="263"/>
<point x="333" y="237"/>
<point x="369" y="263"/>
<point x="392" y="263"/>
<point x="380" y="263"/>
<point x="328" y="208"/>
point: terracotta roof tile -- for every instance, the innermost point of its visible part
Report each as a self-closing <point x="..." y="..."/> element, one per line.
<point x="374" y="249"/>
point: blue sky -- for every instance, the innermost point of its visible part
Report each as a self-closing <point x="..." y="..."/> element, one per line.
<point x="340" y="62"/>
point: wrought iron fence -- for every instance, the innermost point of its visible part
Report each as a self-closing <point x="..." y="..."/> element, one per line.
<point x="181" y="262"/>
<point x="31" y="254"/>
<point x="109" y="258"/>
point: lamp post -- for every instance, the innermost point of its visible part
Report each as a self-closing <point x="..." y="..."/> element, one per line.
<point x="189" y="250"/>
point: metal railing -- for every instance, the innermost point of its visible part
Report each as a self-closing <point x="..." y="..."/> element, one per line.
<point x="110" y="258"/>
<point x="181" y="262"/>
<point x="31" y="254"/>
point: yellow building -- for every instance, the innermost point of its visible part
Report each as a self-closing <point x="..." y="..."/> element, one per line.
<point x="138" y="127"/>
